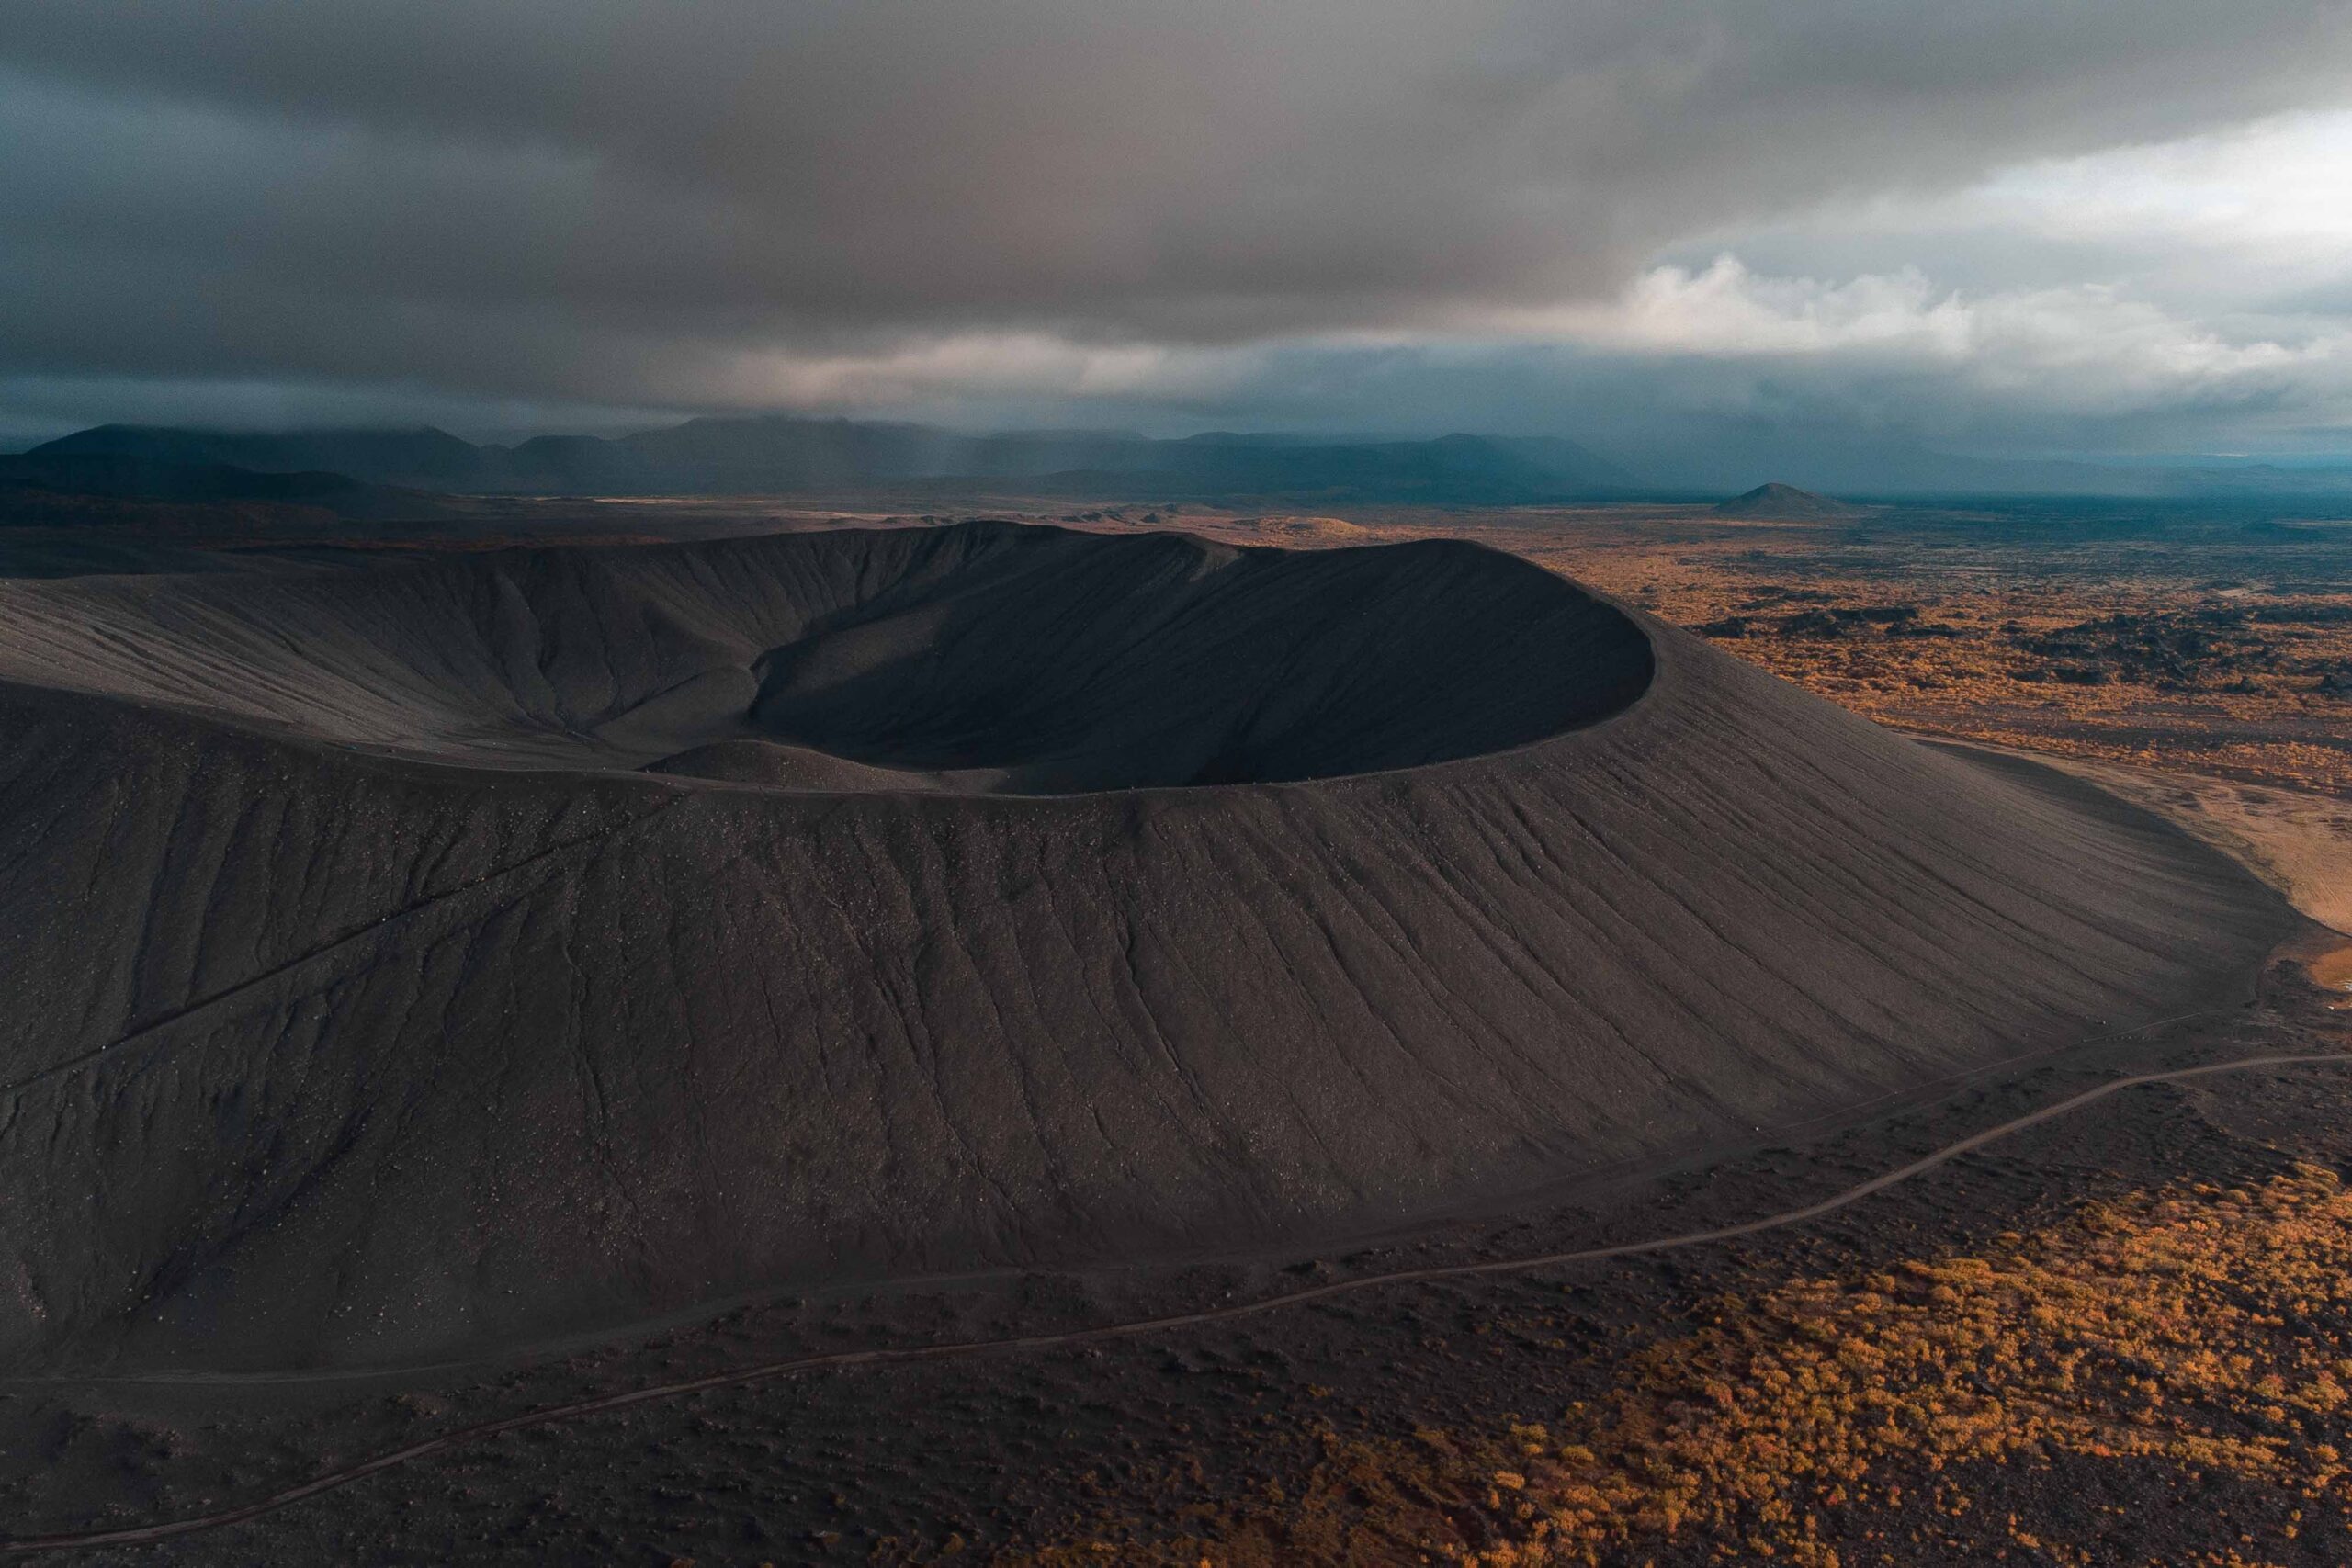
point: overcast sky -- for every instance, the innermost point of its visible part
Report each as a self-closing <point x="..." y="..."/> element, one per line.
<point x="2010" y="226"/>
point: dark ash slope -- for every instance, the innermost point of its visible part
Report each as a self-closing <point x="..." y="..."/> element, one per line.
<point x="1005" y="658"/>
<point x="316" y="1054"/>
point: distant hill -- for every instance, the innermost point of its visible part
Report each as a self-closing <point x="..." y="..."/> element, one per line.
<point x="1779" y="501"/>
<point x="46" y="486"/>
<point x="786" y="455"/>
<point x="422" y="458"/>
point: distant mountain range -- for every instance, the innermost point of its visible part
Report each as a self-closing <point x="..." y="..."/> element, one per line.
<point x="53" y="486"/>
<point x="772" y="455"/>
<point x="782" y="455"/>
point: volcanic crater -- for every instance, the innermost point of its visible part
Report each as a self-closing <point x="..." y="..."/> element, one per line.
<point x="989" y="657"/>
<point x="417" y="955"/>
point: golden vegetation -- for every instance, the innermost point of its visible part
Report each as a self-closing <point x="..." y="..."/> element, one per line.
<point x="2154" y="673"/>
<point x="2119" y="651"/>
<point x="2181" y="1338"/>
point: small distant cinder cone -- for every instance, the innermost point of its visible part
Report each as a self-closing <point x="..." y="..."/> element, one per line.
<point x="1775" y="501"/>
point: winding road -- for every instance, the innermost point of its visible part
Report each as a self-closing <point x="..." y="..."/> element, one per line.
<point x="332" y="1480"/>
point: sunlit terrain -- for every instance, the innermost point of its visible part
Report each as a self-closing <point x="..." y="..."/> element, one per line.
<point x="2157" y="1347"/>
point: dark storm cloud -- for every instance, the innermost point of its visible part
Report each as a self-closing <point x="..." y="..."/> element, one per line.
<point x="607" y="201"/>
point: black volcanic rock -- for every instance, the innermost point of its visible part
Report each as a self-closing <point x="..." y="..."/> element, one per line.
<point x="1779" y="501"/>
<point x="365" y="1004"/>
